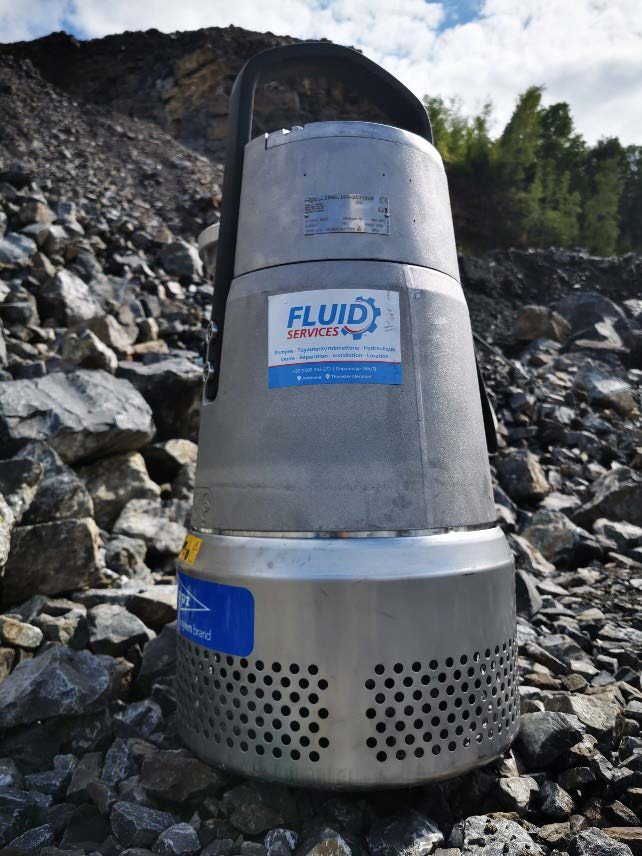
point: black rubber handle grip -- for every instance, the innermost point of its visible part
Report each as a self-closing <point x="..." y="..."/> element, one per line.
<point x="401" y="107"/>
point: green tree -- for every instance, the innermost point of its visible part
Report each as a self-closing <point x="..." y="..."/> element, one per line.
<point x="601" y="209"/>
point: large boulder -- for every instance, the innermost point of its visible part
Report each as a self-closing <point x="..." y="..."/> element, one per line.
<point x="616" y="496"/>
<point x="112" y="482"/>
<point x="604" y="389"/>
<point x="50" y="558"/>
<point x="172" y="388"/>
<point x="558" y="539"/>
<point x="82" y="414"/>
<point x="584" y="309"/>
<point x="67" y="299"/>
<point x="58" y="682"/>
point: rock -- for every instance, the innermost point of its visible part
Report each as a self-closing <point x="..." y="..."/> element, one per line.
<point x="18" y="634"/>
<point x="126" y="556"/>
<point x="137" y="826"/>
<point x="6" y="525"/>
<point x="140" y="719"/>
<point x="177" y="840"/>
<point x="19" y="483"/>
<point x="617" y="496"/>
<point x="60" y="494"/>
<point x="538" y="322"/>
<point x="529" y="601"/>
<point x="88" y="768"/>
<point x="181" y="259"/>
<point x="119" y="764"/>
<point x="16" y="250"/>
<point x="521" y="476"/>
<point x="53" y="782"/>
<point x="560" y="540"/>
<point x="35" y="211"/>
<point x="58" y="682"/>
<point x="595" y="842"/>
<point x="67" y="299"/>
<point x="51" y="558"/>
<point x="84" y="349"/>
<point x="516" y="793"/>
<point x="93" y="414"/>
<point x="172" y="388"/>
<point x="528" y="556"/>
<point x="556" y="803"/>
<point x="165" y="460"/>
<point x="68" y="629"/>
<point x="488" y="835"/>
<point x="159" y="658"/>
<point x="322" y="842"/>
<point x="584" y="309"/>
<point x="113" y="630"/>
<point x="628" y="836"/>
<point x="601" y="718"/>
<point x="544" y="736"/>
<point x="177" y="776"/>
<point x="33" y="840"/>
<point x="112" y="482"/>
<point x="602" y="388"/>
<point x="7" y="658"/>
<point x="406" y="833"/>
<point x="256" y="807"/>
<point x="624" y="536"/>
<point x="10" y="775"/>
<point x="150" y="520"/>
<point x="115" y="336"/>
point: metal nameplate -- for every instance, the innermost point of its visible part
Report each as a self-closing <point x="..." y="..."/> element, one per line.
<point x="346" y="212"/>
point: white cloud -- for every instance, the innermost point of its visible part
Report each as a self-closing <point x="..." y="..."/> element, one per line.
<point x="586" y="52"/>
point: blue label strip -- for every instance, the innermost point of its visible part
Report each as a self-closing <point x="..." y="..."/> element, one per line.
<point x="309" y="374"/>
<point x="216" y="616"/>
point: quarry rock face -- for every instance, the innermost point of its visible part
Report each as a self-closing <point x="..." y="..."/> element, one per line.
<point x="104" y="309"/>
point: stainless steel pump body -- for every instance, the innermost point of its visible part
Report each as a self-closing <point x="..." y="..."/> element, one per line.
<point x="346" y="610"/>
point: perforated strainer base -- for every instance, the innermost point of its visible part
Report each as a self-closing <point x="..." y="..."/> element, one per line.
<point x="382" y="683"/>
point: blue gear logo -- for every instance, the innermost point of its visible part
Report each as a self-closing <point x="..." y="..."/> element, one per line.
<point x="367" y="323"/>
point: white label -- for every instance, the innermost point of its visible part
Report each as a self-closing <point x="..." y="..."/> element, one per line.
<point x="336" y="335"/>
<point x="346" y="212"/>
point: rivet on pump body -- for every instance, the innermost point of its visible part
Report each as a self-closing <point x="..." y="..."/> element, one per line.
<point x="346" y="599"/>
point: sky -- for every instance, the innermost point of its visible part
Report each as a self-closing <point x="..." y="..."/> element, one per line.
<point x="586" y="52"/>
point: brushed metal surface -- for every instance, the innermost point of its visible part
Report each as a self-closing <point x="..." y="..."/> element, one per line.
<point x="347" y="457"/>
<point x="280" y="172"/>
<point x="377" y="662"/>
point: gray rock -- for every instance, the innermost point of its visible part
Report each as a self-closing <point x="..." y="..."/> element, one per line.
<point x="68" y="629"/>
<point x="617" y="496"/>
<point x="119" y="765"/>
<point x="151" y="521"/>
<point x="517" y="793"/>
<point x="521" y="476"/>
<point x="176" y="776"/>
<point x="18" y="634"/>
<point x="88" y="768"/>
<point x="287" y="837"/>
<point x="19" y="483"/>
<point x="60" y="495"/>
<point x="584" y="309"/>
<point x="601" y="387"/>
<point x="67" y="299"/>
<point x="556" y="803"/>
<point x="594" y="842"/>
<point x="178" y="840"/>
<point x="181" y="259"/>
<point x="529" y="601"/>
<point x="6" y="525"/>
<point x="558" y="539"/>
<point x="51" y="558"/>
<point x="126" y="556"/>
<point x="165" y="460"/>
<point x="624" y="536"/>
<point x="409" y="833"/>
<point x="139" y="719"/>
<point x="58" y="682"/>
<point x="112" y="482"/>
<point x="113" y="630"/>
<point x="53" y="782"/>
<point x="256" y="807"/>
<point x="16" y="250"/>
<point x="601" y="718"/>
<point x="544" y="736"/>
<point x="85" y="350"/>
<point x="159" y="658"/>
<point x="137" y="826"/>
<point x="117" y="337"/>
<point x="33" y="840"/>
<point x="83" y="414"/>
<point x="10" y="775"/>
<point x="172" y="388"/>
<point x="487" y="835"/>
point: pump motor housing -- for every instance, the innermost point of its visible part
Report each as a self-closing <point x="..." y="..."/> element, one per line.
<point x="346" y="598"/>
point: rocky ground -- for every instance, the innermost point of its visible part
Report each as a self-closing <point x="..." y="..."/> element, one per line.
<point x="103" y="304"/>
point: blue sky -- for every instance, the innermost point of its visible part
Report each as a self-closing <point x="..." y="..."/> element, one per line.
<point x="586" y="52"/>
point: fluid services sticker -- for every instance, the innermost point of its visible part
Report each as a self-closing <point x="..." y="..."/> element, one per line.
<point x="334" y="336"/>
<point x="216" y="616"/>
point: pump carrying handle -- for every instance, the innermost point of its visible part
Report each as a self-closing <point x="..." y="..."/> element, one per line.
<point x="322" y="59"/>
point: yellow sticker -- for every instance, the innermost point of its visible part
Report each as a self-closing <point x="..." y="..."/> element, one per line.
<point x="190" y="549"/>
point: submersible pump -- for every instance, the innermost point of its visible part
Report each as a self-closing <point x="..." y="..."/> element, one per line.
<point x="346" y="598"/>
